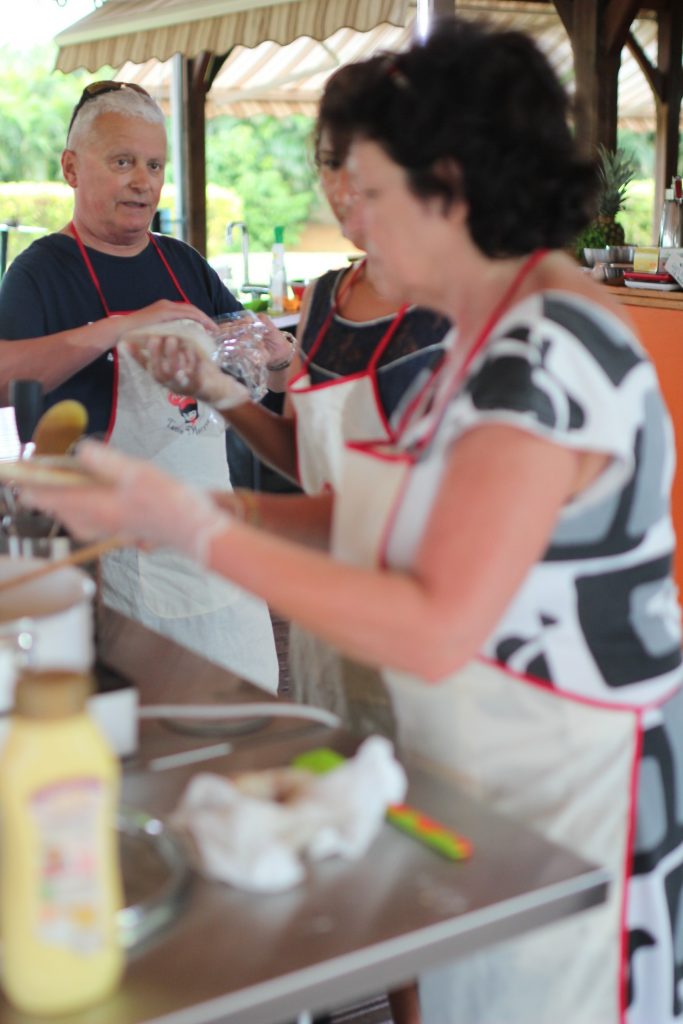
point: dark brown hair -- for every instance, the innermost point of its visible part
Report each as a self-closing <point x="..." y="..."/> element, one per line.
<point x="479" y="114"/>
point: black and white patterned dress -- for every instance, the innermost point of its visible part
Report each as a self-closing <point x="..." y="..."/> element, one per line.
<point x="596" y="623"/>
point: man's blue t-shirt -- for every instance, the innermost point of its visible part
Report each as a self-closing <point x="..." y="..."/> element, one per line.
<point x="48" y="289"/>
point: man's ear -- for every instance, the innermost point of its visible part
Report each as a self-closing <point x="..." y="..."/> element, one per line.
<point x="69" y="168"/>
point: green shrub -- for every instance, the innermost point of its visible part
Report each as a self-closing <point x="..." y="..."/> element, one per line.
<point x="49" y="205"/>
<point x="637" y="217"/>
<point x="34" y="204"/>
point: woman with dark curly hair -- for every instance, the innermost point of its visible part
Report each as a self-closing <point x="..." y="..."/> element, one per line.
<point x="503" y="564"/>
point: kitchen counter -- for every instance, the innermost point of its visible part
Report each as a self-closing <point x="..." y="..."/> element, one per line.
<point x="647" y="298"/>
<point x="352" y="929"/>
<point x="658" y="320"/>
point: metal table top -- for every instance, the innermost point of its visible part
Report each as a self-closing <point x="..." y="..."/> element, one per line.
<point x="352" y="929"/>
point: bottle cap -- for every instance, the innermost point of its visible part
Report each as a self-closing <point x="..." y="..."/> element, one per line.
<point x="51" y="694"/>
<point x="279" y="234"/>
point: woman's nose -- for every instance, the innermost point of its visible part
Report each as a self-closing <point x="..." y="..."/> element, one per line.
<point x="341" y="187"/>
<point x="353" y="210"/>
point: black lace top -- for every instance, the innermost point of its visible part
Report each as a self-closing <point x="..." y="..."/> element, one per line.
<point x="348" y="346"/>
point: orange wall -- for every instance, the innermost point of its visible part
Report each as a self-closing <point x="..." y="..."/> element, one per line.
<point x="661" y="332"/>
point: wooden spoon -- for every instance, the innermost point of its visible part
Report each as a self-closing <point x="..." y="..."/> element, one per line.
<point x="60" y="427"/>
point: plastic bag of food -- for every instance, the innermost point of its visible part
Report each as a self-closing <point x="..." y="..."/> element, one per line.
<point x="241" y="350"/>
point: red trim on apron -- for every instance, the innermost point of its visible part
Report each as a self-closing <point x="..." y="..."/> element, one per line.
<point x="370" y="370"/>
<point x="638" y="713"/>
<point x="458" y="378"/>
<point x="109" y="313"/>
<point x="628" y="869"/>
<point x="479" y="343"/>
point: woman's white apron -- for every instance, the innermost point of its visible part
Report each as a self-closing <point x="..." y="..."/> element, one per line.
<point x="564" y="766"/>
<point x="165" y="590"/>
<point x="336" y="411"/>
<point x="326" y="416"/>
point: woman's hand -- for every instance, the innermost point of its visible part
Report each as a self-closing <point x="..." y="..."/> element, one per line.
<point x="134" y="499"/>
<point x="279" y="345"/>
<point x="179" y="358"/>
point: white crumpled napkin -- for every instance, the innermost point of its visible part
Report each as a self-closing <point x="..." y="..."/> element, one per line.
<point x="245" y="835"/>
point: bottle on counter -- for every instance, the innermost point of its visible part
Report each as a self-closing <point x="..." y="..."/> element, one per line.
<point x="278" y="275"/>
<point x="60" y="881"/>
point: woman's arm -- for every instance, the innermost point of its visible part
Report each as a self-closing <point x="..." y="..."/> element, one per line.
<point x="499" y="501"/>
<point x="495" y="513"/>
<point x="270" y="436"/>
<point x="298" y="517"/>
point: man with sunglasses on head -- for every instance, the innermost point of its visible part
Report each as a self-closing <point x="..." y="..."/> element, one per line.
<point x="107" y="264"/>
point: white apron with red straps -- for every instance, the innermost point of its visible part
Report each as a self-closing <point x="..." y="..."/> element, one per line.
<point x="162" y="589"/>
<point x="563" y="762"/>
<point x="523" y="750"/>
<point x="326" y="416"/>
<point x="344" y="409"/>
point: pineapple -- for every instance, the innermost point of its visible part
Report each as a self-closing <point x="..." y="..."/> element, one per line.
<point x="616" y="173"/>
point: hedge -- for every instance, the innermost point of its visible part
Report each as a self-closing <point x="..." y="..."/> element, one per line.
<point x="48" y="205"/>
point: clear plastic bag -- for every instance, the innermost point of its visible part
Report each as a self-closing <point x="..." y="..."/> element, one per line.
<point x="241" y="350"/>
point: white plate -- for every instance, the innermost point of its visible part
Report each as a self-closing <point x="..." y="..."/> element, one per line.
<point x="658" y="286"/>
<point x="46" y="471"/>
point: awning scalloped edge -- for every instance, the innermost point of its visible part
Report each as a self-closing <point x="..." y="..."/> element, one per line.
<point x="282" y="24"/>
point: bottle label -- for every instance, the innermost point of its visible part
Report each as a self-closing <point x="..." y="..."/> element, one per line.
<point x="70" y="911"/>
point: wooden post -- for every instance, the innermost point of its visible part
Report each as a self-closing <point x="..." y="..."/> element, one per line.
<point x="598" y="30"/>
<point x="194" y="151"/>
<point x="668" y="102"/>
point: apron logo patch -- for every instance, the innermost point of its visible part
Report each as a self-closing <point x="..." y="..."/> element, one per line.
<point x="187" y="407"/>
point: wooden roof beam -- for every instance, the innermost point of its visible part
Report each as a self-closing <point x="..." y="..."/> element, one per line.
<point x="654" y="77"/>
<point x="617" y="20"/>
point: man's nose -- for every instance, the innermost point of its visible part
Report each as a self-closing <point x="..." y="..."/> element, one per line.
<point x="140" y="177"/>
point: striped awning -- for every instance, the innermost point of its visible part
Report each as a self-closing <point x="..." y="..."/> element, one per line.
<point x="273" y="79"/>
<point x="137" y="30"/>
<point x="282" y="51"/>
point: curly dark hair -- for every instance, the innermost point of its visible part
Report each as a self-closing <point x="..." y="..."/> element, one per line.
<point x="474" y="113"/>
<point x="336" y="105"/>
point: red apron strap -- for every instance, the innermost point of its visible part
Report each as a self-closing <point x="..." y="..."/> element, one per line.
<point x="483" y="336"/>
<point x="95" y="280"/>
<point x="387" y="336"/>
<point x="325" y="326"/>
<point x="165" y="262"/>
<point x="89" y="267"/>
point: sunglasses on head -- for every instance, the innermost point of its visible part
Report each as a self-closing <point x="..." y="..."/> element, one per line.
<point x="99" y="89"/>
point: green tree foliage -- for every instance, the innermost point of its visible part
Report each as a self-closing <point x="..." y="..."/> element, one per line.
<point x="266" y="161"/>
<point x="35" y="107"/>
<point x="259" y="170"/>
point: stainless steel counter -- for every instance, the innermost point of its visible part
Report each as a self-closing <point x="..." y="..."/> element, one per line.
<point x="353" y="929"/>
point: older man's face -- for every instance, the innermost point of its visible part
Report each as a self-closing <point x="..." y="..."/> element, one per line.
<point x="117" y="173"/>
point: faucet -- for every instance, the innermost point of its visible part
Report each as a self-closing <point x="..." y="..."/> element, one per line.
<point x="245" y="245"/>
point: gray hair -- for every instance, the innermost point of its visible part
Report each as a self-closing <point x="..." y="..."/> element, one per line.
<point x="124" y="101"/>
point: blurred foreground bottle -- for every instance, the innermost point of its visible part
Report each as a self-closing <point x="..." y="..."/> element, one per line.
<point x="278" y="275"/>
<point x="60" y="883"/>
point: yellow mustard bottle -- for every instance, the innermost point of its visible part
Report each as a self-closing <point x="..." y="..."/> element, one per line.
<point x="60" y="882"/>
